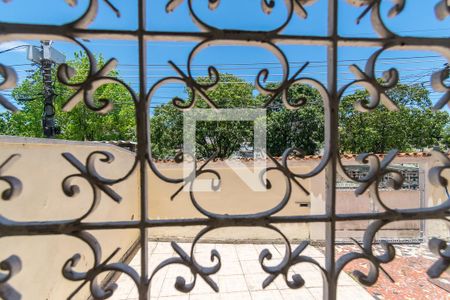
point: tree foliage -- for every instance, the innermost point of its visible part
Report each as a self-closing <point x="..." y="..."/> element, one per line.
<point x="212" y="137"/>
<point x="413" y="126"/>
<point x="301" y="128"/>
<point x="78" y="124"/>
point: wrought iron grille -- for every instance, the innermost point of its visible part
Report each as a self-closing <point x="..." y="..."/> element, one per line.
<point x="330" y="162"/>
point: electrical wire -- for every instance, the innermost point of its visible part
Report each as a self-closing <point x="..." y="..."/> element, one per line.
<point x="384" y="60"/>
<point x="313" y="63"/>
<point x="13" y="48"/>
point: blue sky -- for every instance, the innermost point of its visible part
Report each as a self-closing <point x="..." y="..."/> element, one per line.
<point x="416" y="20"/>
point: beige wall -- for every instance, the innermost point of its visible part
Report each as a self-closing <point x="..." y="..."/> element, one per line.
<point x="42" y="168"/>
<point x="234" y="197"/>
<point x="435" y="196"/>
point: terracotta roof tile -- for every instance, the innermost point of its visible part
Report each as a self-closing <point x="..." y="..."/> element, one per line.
<point x="306" y="157"/>
<point x="316" y="157"/>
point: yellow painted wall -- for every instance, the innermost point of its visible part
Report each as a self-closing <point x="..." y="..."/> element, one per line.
<point x="42" y="168"/>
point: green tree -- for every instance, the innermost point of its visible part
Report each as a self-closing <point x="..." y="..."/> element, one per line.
<point x="413" y="126"/>
<point x="80" y="123"/>
<point x="166" y="131"/>
<point x="225" y="137"/>
<point x="446" y="139"/>
<point x="302" y="128"/>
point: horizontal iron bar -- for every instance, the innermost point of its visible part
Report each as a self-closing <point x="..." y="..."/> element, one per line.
<point x="12" y="228"/>
<point x="400" y="41"/>
<point x="11" y="31"/>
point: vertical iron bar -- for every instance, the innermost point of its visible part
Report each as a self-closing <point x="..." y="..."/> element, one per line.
<point x="330" y="288"/>
<point x="142" y="148"/>
<point x="423" y="204"/>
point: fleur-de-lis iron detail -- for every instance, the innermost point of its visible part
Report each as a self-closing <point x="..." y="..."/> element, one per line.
<point x="288" y="261"/>
<point x="281" y="90"/>
<point x="377" y="170"/>
<point x="442" y="9"/>
<point x="85" y="91"/>
<point x="298" y="6"/>
<point x="210" y="36"/>
<point x="9" y="81"/>
<point x="195" y="87"/>
<point x="96" y="181"/>
<point x="441" y="249"/>
<point x="12" y="265"/>
<point x="90" y="13"/>
<point x="435" y="173"/>
<point x="15" y="185"/>
<point x="377" y="20"/>
<point x="89" y="173"/>
<point x="196" y="172"/>
<point x="438" y="84"/>
<point x="376" y="91"/>
<point x="375" y="261"/>
<point x="89" y="276"/>
<point x="98" y="291"/>
<point x="196" y="269"/>
<point x="293" y="6"/>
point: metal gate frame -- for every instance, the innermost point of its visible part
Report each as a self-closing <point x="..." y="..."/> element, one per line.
<point x="330" y="162"/>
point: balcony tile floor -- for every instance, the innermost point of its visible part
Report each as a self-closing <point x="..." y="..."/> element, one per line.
<point x="240" y="276"/>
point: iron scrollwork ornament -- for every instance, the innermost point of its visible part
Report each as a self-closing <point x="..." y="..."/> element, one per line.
<point x="290" y="258"/>
<point x="442" y="250"/>
<point x="98" y="291"/>
<point x="438" y="84"/>
<point x="211" y="35"/>
<point x="12" y="265"/>
<point x="15" y="185"/>
<point x="97" y="182"/>
<point x="9" y="81"/>
<point x="195" y="268"/>
<point x="442" y="9"/>
<point x="292" y="6"/>
<point x="96" y="77"/>
<point x="374" y="6"/>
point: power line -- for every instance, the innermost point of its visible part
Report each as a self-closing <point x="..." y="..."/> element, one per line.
<point x="403" y="60"/>
<point x="276" y="74"/>
<point x="13" y="48"/>
<point x="292" y="65"/>
<point x="291" y="62"/>
<point x="315" y="62"/>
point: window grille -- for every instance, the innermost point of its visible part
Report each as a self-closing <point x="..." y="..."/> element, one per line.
<point x="78" y="31"/>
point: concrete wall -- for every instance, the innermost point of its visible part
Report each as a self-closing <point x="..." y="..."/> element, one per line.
<point x="234" y="197"/>
<point x="435" y="196"/>
<point x="42" y="168"/>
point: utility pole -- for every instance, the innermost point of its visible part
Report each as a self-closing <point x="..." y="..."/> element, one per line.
<point x="48" y="116"/>
<point x="46" y="56"/>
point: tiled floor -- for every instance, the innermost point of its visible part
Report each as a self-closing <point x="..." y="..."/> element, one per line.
<point x="240" y="276"/>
